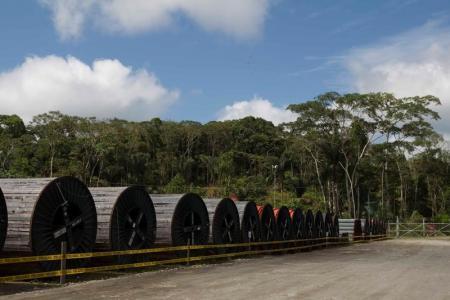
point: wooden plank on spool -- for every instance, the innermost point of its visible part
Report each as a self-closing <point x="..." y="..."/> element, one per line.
<point x="20" y="195"/>
<point x="104" y="199"/>
<point x="164" y="208"/>
<point x="211" y="205"/>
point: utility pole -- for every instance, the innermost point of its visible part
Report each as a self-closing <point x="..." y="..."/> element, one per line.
<point x="274" y="169"/>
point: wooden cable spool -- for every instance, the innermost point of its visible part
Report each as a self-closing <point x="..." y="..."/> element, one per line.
<point x="268" y="223"/>
<point x="335" y="226"/>
<point x="284" y="223"/>
<point x="22" y="207"/>
<point x="319" y="224"/>
<point x="357" y="230"/>
<point x="226" y="223"/>
<point x="44" y="212"/>
<point x="366" y="229"/>
<point x="298" y="224"/>
<point x="328" y="226"/>
<point x="250" y="222"/>
<point x="379" y="229"/>
<point x="126" y="218"/>
<point x="372" y="226"/>
<point x="181" y="220"/>
<point x="310" y="228"/>
<point x="211" y="205"/>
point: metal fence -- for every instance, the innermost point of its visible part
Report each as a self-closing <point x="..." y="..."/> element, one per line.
<point x="418" y="230"/>
<point x="242" y="250"/>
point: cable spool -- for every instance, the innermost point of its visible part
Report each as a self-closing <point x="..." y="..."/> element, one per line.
<point x="357" y="230"/>
<point x="45" y="212"/>
<point x="284" y="223"/>
<point x="190" y="221"/>
<point x="336" y="226"/>
<point x="268" y="223"/>
<point x="211" y="205"/>
<point x="366" y="229"/>
<point x="298" y="224"/>
<point x="164" y="208"/>
<point x="310" y="228"/>
<point x="320" y="226"/>
<point x="374" y="226"/>
<point x="126" y="218"/>
<point x="182" y="220"/>
<point x="250" y="222"/>
<point x="3" y="220"/>
<point x="19" y="196"/>
<point x="377" y="226"/>
<point x="329" y="225"/>
<point x="225" y="228"/>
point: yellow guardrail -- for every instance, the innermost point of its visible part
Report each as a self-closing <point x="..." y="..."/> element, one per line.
<point x="86" y="255"/>
<point x="187" y="259"/>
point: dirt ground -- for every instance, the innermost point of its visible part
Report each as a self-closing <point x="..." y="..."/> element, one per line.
<point x="395" y="269"/>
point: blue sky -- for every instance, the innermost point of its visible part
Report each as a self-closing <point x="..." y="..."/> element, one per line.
<point x="205" y="64"/>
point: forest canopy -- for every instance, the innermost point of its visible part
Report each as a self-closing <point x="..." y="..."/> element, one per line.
<point x="354" y="154"/>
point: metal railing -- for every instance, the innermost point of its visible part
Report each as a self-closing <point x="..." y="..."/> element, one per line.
<point x="246" y="249"/>
<point x="418" y="230"/>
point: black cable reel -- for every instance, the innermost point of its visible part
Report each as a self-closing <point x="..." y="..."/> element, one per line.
<point x="226" y="228"/>
<point x="190" y="221"/>
<point x="284" y="224"/>
<point x="335" y="226"/>
<point x="64" y="212"/>
<point x="268" y="224"/>
<point x="133" y="222"/>
<point x="298" y="224"/>
<point x="329" y="225"/>
<point x="250" y="224"/>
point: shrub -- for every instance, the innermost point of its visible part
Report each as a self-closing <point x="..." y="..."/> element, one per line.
<point x="442" y="218"/>
<point x="176" y="185"/>
<point x="249" y="188"/>
<point x="415" y="217"/>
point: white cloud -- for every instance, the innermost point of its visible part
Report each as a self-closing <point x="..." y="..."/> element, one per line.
<point x="238" y="18"/>
<point x="69" y="16"/>
<point x="415" y="63"/>
<point x="257" y="107"/>
<point x="106" y="89"/>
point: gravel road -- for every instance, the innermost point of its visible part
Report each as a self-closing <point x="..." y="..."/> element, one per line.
<point x="395" y="269"/>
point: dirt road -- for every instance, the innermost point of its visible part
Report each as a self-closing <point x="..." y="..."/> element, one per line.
<point x="396" y="269"/>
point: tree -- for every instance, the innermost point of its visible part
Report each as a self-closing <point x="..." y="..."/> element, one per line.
<point x="342" y="128"/>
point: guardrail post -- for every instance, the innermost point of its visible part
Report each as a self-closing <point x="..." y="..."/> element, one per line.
<point x="62" y="278"/>
<point x="397" y="228"/>
<point x="188" y="252"/>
